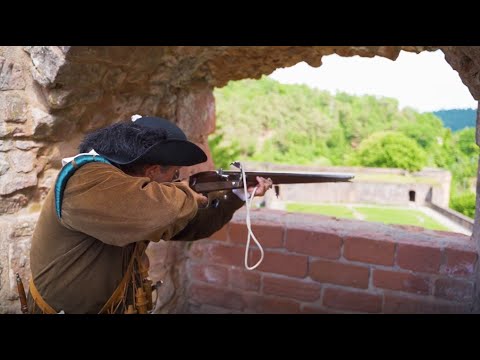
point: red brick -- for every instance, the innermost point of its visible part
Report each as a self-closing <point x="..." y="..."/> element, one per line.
<point x="221" y="234"/>
<point x="245" y="279"/>
<point x="394" y="304"/>
<point x="271" y="305"/>
<point x="352" y="301"/>
<point x="268" y="235"/>
<point x="401" y="281"/>
<point x="452" y="289"/>
<point x="312" y="309"/>
<point x="284" y="264"/>
<point x="226" y="254"/>
<point x="337" y="273"/>
<point x="209" y="309"/>
<point x="369" y="251"/>
<point x="199" y="249"/>
<point x="208" y="294"/>
<point x="419" y="258"/>
<point x="459" y="263"/>
<point x="213" y="274"/>
<point x="314" y="243"/>
<point x="291" y="288"/>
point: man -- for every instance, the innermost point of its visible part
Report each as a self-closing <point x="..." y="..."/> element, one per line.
<point x="108" y="203"/>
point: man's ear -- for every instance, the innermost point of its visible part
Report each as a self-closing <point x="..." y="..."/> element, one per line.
<point x="149" y="170"/>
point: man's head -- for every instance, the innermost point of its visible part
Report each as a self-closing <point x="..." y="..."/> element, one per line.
<point x="150" y="146"/>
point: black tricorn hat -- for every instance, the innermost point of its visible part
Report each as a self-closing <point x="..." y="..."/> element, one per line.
<point x="175" y="149"/>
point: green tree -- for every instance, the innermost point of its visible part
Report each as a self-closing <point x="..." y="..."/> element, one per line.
<point x="464" y="203"/>
<point x="392" y="150"/>
<point x="223" y="153"/>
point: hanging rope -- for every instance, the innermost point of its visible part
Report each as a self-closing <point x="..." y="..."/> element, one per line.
<point x="249" y="200"/>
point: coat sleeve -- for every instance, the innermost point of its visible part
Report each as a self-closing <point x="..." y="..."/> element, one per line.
<point x="117" y="209"/>
<point x="210" y="220"/>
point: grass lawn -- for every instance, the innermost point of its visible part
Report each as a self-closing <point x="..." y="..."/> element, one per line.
<point x="399" y="216"/>
<point x="384" y="214"/>
<point x="330" y="210"/>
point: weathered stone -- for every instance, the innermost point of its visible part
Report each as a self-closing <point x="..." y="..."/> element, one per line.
<point x="59" y="98"/>
<point x="11" y="75"/>
<point x="22" y="229"/>
<point x="196" y="111"/>
<point x="80" y="75"/>
<point x="12" y="204"/>
<point x="4" y="165"/>
<point x="90" y="122"/>
<point x="64" y="49"/>
<point x="150" y="105"/>
<point x="18" y="249"/>
<point x="5" y="145"/>
<point x="118" y="55"/>
<point x="42" y="122"/>
<point x="13" y="129"/>
<point x="464" y="59"/>
<point x="22" y="161"/>
<point x="12" y="181"/>
<point x="89" y="96"/>
<point x="47" y="61"/>
<point x="137" y="76"/>
<point x="160" y="76"/>
<point x="47" y="178"/>
<point x="127" y="103"/>
<point x="26" y="144"/>
<point x="62" y="98"/>
<point x="113" y="79"/>
<point x="13" y="107"/>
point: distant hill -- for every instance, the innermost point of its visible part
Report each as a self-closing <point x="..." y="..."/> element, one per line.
<point x="457" y="119"/>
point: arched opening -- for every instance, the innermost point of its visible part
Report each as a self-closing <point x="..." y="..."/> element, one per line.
<point x="411" y="196"/>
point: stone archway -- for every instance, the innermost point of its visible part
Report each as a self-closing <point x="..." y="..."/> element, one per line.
<point x="50" y="96"/>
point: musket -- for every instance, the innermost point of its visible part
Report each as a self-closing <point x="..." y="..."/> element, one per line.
<point x="21" y="294"/>
<point x="206" y="182"/>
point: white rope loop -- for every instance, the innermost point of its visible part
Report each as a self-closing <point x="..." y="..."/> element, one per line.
<point x="249" y="200"/>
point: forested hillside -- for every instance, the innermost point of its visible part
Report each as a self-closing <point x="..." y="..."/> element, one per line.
<point x="457" y="119"/>
<point x="263" y="120"/>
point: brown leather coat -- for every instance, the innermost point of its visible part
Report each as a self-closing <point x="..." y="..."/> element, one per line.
<point x="78" y="261"/>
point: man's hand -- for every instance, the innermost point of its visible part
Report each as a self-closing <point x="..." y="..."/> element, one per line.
<point x="262" y="186"/>
<point x="202" y="200"/>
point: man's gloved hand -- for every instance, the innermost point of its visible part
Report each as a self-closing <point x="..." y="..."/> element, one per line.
<point x="263" y="186"/>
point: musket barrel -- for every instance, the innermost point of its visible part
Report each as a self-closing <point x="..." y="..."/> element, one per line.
<point x="208" y="181"/>
<point x="278" y="177"/>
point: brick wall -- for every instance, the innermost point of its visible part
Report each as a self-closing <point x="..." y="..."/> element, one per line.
<point x="317" y="264"/>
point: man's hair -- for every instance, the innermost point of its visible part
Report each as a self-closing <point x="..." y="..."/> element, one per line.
<point x="123" y="138"/>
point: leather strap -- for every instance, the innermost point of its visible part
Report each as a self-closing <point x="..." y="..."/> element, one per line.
<point x="47" y="309"/>
<point x="119" y="292"/>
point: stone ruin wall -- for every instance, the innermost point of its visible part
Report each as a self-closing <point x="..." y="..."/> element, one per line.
<point x="432" y="185"/>
<point x="50" y="96"/>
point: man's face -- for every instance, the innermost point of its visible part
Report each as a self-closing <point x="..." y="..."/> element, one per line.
<point x="162" y="174"/>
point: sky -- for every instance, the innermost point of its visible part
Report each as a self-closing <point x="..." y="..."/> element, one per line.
<point x="425" y="81"/>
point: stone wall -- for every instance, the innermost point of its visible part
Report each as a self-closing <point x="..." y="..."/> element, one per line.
<point x="370" y="185"/>
<point x="355" y="193"/>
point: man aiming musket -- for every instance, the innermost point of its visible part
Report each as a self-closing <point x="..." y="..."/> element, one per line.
<point x="120" y="193"/>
